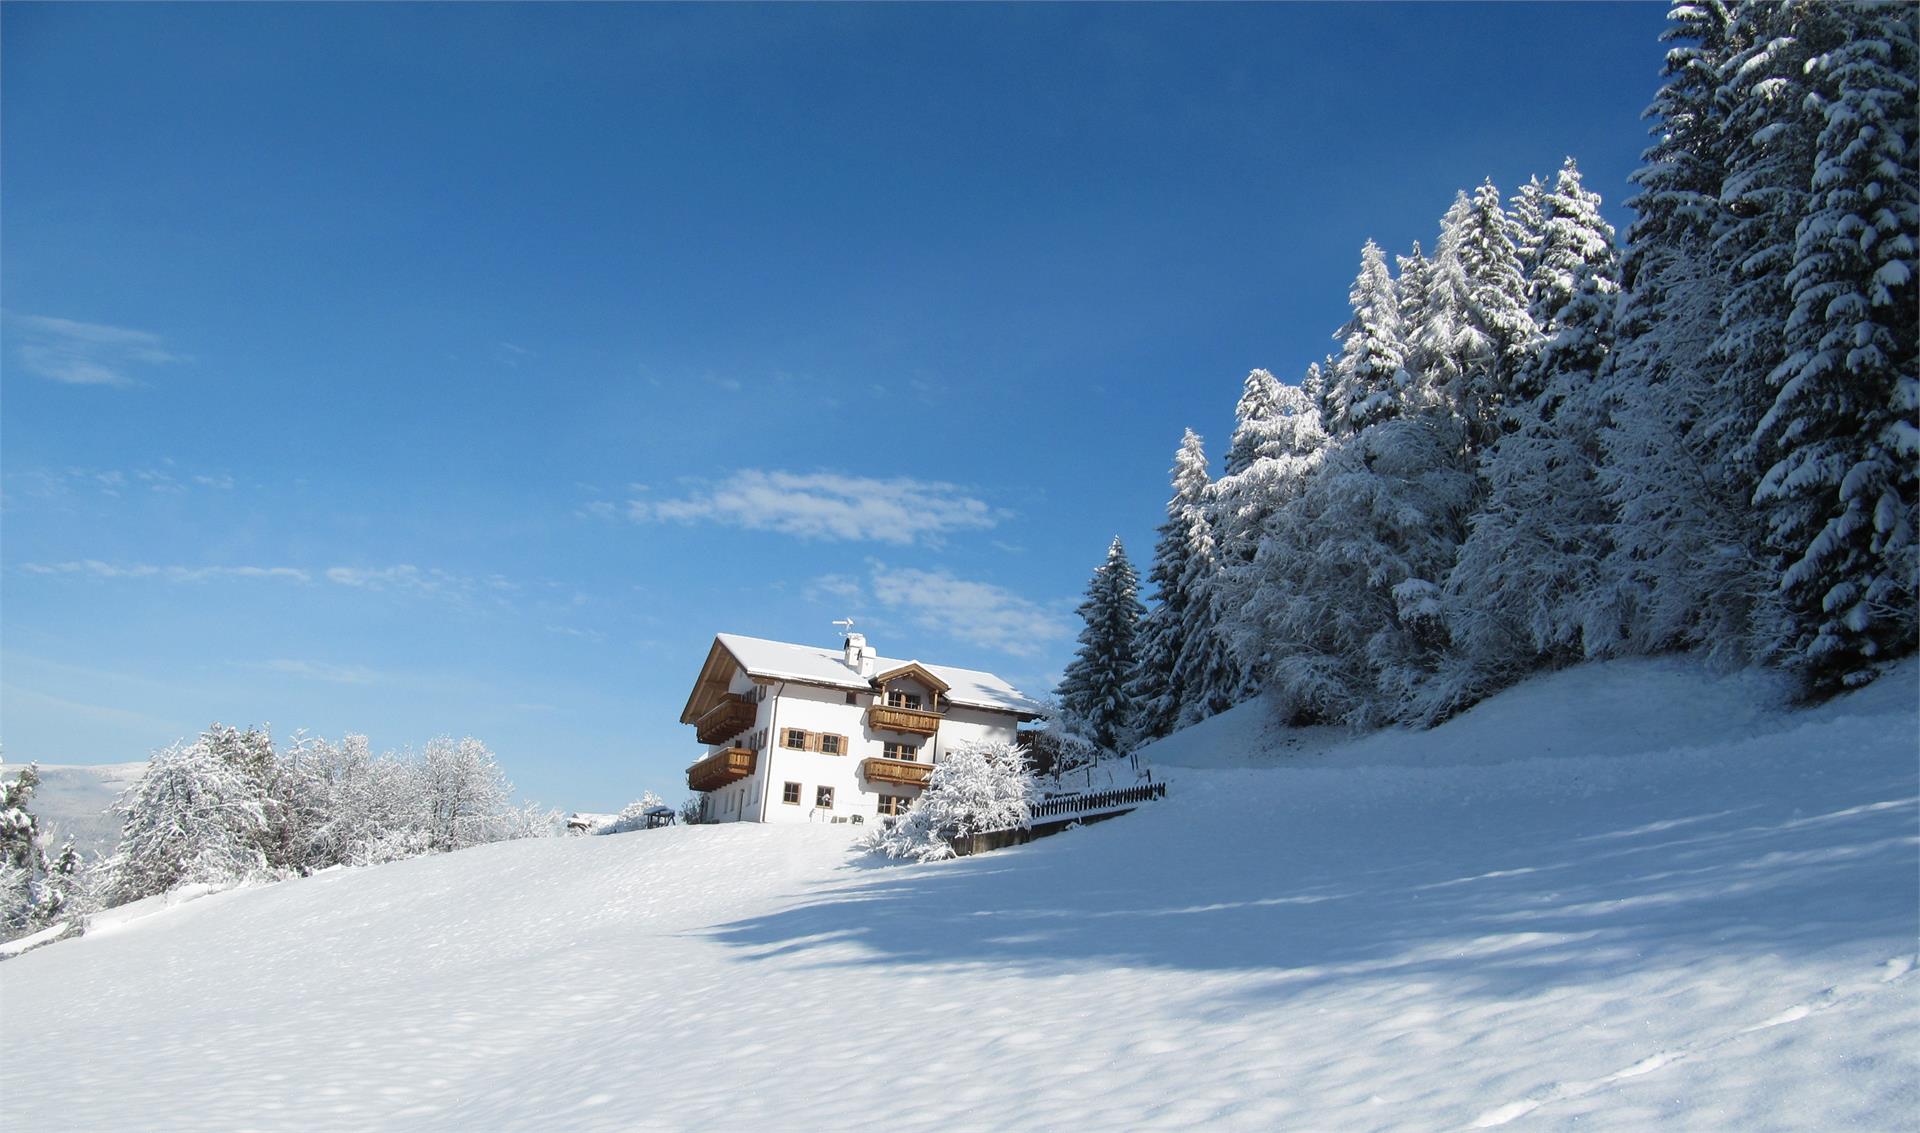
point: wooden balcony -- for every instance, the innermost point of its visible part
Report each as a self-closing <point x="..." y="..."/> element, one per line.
<point x="725" y="720"/>
<point x="913" y="721"/>
<point x="722" y="767"/>
<point x="905" y="772"/>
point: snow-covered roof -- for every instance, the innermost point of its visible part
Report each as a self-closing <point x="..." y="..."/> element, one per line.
<point x="781" y="660"/>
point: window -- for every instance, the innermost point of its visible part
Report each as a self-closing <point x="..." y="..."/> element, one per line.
<point x="894" y="804"/>
<point x="900" y="751"/>
<point x="830" y="745"/>
<point x="790" y="793"/>
<point x="795" y="737"/>
<point x="850" y="698"/>
<point x="898" y="699"/>
<point x="823" y="798"/>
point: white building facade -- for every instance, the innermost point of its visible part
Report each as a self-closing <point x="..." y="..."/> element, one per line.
<point x="795" y="733"/>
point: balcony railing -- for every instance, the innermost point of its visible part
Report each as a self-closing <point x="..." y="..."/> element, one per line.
<point x="725" y="720"/>
<point x="913" y="721"/>
<point x="722" y="767"/>
<point x="902" y="771"/>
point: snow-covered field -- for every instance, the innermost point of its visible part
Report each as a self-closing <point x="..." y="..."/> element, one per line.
<point x="1629" y="896"/>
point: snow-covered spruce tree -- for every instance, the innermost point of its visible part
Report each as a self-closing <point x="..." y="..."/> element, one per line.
<point x="1494" y="333"/>
<point x="1259" y="401"/>
<point x="34" y="892"/>
<point x="1313" y="386"/>
<point x="1768" y="137"/>
<point x="1157" y="687"/>
<point x="1840" y="499"/>
<point x="976" y="789"/>
<point x="1093" y="691"/>
<point x="1576" y="244"/>
<point x="1253" y="507"/>
<point x="193" y="816"/>
<point x="1525" y="589"/>
<point x="1369" y="381"/>
<point x="1346" y="614"/>
<point x="1680" y="558"/>
<point x="1527" y="215"/>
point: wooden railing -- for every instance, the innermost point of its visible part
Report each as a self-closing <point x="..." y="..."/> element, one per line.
<point x="914" y="721"/>
<point x="902" y="771"/>
<point x="1098" y="800"/>
<point x="722" y="767"/>
<point x="725" y="720"/>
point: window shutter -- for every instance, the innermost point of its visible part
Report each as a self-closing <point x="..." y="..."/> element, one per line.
<point x="813" y="741"/>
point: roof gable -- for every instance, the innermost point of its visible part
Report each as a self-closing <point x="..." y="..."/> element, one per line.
<point x="917" y="671"/>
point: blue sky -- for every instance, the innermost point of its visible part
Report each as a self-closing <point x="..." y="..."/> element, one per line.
<point x="415" y="370"/>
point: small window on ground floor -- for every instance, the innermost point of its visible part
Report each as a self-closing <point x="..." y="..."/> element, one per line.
<point x="894" y="804"/>
<point x="790" y="793"/>
<point x="823" y="798"/>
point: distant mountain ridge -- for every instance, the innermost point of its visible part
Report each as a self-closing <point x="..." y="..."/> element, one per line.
<point x="75" y="800"/>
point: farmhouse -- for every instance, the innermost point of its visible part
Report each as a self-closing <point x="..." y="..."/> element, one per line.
<point x="796" y="733"/>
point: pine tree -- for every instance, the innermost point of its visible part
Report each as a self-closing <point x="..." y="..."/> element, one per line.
<point x="1259" y="399"/>
<point x="1840" y="499"/>
<point x="1345" y="613"/>
<point x="1525" y="591"/>
<point x="1681" y="560"/>
<point x="1576" y="243"/>
<point x="31" y="895"/>
<point x="1527" y="217"/>
<point x="1495" y="335"/>
<point x="1157" y="687"/>
<point x="1251" y="507"/>
<point x="1093" y="690"/>
<point x="1370" y="381"/>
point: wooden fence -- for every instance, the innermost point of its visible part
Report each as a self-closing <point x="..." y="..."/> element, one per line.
<point x="1098" y="800"/>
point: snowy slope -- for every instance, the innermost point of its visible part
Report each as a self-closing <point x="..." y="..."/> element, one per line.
<point x="75" y="800"/>
<point x="1501" y="923"/>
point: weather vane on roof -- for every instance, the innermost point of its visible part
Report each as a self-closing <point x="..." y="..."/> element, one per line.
<point x="848" y="622"/>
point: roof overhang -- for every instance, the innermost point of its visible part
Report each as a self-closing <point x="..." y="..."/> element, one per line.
<point x="715" y="677"/>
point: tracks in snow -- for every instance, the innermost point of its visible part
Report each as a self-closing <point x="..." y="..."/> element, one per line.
<point x="1891" y="973"/>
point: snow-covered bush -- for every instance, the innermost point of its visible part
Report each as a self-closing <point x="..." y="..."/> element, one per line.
<point x="195" y="816"/>
<point x="633" y="816"/>
<point x="229" y="808"/>
<point x="978" y="788"/>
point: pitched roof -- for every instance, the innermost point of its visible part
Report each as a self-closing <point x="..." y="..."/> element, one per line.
<point x="782" y="660"/>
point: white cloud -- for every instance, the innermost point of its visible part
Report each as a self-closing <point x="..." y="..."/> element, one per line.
<point x="68" y="482"/>
<point x="574" y="631"/>
<point x="844" y="587"/>
<point x="824" y="505"/>
<point x="979" y="613"/>
<point x="85" y="354"/>
<point x="94" y="568"/>
<point x="404" y="578"/>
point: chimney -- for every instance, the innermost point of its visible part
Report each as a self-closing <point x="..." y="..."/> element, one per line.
<point x="859" y="657"/>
